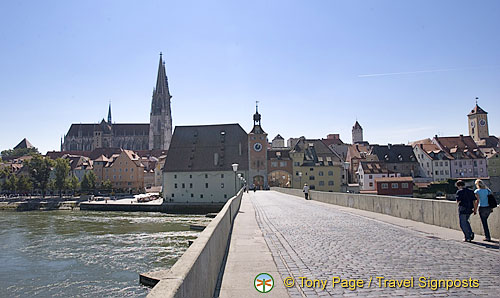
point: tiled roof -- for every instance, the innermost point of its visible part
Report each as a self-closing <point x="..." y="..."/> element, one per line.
<point x="120" y="129"/>
<point x="316" y="152"/>
<point x="461" y="147"/>
<point x="207" y="148"/>
<point x="278" y="153"/>
<point x="394" y="153"/>
<point x="394" y="179"/>
<point x="374" y="167"/>
<point x="357" y="126"/>
<point x="24" y="144"/>
<point x="477" y="110"/>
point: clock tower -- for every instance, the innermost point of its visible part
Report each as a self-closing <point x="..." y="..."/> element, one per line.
<point x="478" y="123"/>
<point x="257" y="153"/>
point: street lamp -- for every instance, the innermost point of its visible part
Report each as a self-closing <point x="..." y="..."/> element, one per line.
<point x="300" y="177"/>
<point x="235" y="168"/>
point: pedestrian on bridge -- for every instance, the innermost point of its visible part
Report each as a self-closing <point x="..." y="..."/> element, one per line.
<point x="485" y="209"/>
<point x="306" y="191"/>
<point x="467" y="204"/>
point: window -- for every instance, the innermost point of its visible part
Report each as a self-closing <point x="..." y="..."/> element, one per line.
<point x="274" y="164"/>
<point x="183" y="185"/>
<point x="441" y="172"/>
<point x="385" y="185"/>
<point x="321" y="183"/>
<point x="330" y="173"/>
<point x="126" y="170"/>
<point x="190" y="185"/>
<point x="370" y="176"/>
<point x="395" y="185"/>
<point x="446" y="163"/>
<point x="330" y="182"/>
<point x="225" y="196"/>
<point x="201" y="196"/>
<point x="206" y="185"/>
<point x="311" y="169"/>
<point x="481" y="170"/>
<point x="173" y="195"/>
<point x="175" y="185"/>
<point x="192" y="195"/>
<point x="282" y="164"/>
<point x="404" y="185"/>
<point x="222" y="175"/>
<point x="311" y="177"/>
<point x="437" y="172"/>
<point x="190" y="176"/>
<point x="371" y="184"/>
<point x="175" y="176"/>
<point x="296" y="163"/>
<point x="320" y="173"/>
<point x="206" y="176"/>
<point x="222" y="185"/>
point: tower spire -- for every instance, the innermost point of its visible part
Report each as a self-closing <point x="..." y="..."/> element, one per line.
<point x="109" y="113"/>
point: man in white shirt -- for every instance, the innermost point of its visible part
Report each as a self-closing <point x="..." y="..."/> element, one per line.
<point x="306" y="191"/>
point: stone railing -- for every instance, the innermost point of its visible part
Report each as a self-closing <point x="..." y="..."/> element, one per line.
<point x="195" y="273"/>
<point x="434" y="212"/>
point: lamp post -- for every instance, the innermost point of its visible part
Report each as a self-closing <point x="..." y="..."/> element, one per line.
<point x="235" y="168"/>
<point x="300" y="177"/>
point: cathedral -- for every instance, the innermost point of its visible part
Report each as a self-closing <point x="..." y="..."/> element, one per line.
<point x="157" y="134"/>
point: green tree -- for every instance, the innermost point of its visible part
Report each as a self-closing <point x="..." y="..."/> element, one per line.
<point x="73" y="183"/>
<point x="89" y="181"/>
<point x="15" y="153"/>
<point x="61" y="167"/>
<point x="11" y="183"/>
<point x="24" y="184"/>
<point x="39" y="168"/>
<point x="107" y="185"/>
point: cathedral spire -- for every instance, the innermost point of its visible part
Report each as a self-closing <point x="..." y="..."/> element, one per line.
<point x="161" y="80"/>
<point x="109" y="113"/>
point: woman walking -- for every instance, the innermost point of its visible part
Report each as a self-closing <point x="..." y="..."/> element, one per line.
<point x="482" y="193"/>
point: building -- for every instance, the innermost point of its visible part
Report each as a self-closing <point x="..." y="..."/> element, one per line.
<point x="355" y="154"/>
<point x="357" y="133"/>
<point x="134" y="136"/>
<point x="398" y="158"/>
<point x="468" y="160"/>
<point x="198" y="167"/>
<point x="369" y="171"/>
<point x="257" y="154"/>
<point x="279" y="166"/>
<point x="478" y="123"/>
<point x="394" y="186"/>
<point x="124" y="170"/>
<point x="79" y="165"/>
<point x="334" y="142"/>
<point x="315" y="164"/>
<point x="435" y="163"/>
<point x="278" y="142"/>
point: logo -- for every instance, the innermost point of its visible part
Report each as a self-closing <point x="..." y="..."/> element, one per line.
<point x="263" y="283"/>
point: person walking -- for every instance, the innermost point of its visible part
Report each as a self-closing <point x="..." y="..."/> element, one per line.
<point x="482" y="193"/>
<point x="467" y="204"/>
<point x="306" y="191"/>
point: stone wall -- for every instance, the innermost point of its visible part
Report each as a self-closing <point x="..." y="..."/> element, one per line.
<point x="195" y="273"/>
<point x="434" y="212"/>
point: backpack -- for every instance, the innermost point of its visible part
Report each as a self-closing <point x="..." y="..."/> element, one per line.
<point x="492" y="202"/>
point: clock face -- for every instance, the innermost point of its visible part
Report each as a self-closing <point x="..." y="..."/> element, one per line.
<point x="482" y="122"/>
<point x="472" y="124"/>
<point x="257" y="147"/>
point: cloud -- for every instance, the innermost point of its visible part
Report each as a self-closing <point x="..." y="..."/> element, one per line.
<point x="424" y="71"/>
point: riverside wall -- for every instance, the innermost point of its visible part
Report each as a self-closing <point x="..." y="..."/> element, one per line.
<point x="195" y="273"/>
<point x="435" y="212"/>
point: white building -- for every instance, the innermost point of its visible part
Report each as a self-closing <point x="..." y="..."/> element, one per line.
<point x="434" y="163"/>
<point x="368" y="171"/>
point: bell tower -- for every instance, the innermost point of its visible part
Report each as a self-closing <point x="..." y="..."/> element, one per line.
<point x="257" y="153"/>
<point x="478" y="123"/>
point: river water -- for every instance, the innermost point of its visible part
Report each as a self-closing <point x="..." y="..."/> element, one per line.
<point x="87" y="253"/>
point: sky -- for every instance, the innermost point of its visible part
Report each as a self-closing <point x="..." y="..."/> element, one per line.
<point x="406" y="70"/>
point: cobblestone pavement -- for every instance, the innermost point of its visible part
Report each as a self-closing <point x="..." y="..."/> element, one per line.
<point x="317" y="241"/>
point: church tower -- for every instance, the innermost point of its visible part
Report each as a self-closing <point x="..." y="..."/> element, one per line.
<point x="257" y="153"/>
<point x="160" y="124"/>
<point x="357" y="133"/>
<point x="478" y="123"/>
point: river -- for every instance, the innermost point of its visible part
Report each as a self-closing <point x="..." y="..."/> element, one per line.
<point x="87" y="253"/>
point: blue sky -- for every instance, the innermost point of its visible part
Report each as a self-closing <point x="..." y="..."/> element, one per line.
<point x="61" y="62"/>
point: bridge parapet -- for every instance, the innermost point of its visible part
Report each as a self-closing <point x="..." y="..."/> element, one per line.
<point x="434" y="212"/>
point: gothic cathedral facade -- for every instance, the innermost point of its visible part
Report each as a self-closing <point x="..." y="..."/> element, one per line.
<point x="155" y="135"/>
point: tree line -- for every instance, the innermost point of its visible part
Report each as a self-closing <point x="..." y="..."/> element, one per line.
<point x="42" y="173"/>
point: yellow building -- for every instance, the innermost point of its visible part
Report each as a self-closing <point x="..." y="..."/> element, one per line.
<point x="493" y="162"/>
<point x="124" y="170"/>
<point x="315" y="164"/>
